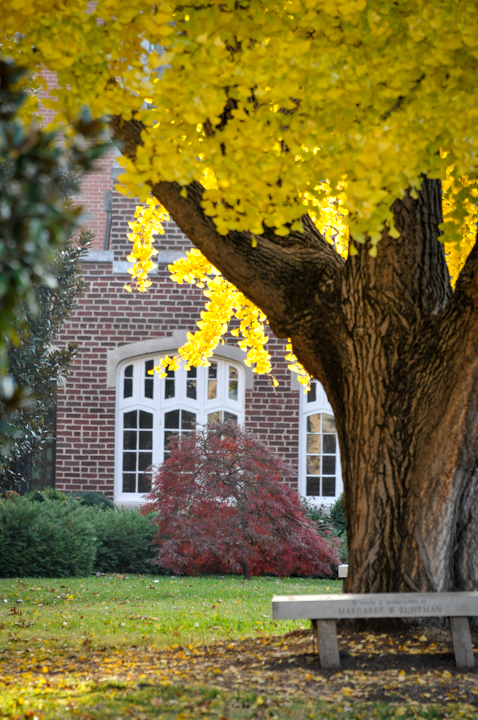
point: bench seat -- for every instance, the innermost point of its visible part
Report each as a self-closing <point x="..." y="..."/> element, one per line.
<point x="325" y="610"/>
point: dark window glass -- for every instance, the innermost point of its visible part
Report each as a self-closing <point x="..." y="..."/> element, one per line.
<point x="171" y="419"/>
<point x="168" y="434"/>
<point x="313" y="423"/>
<point x="128" y="382"/>
<point x="191" y="383"/>
<point x="188" y="420"/>
<point x="212" y="381"/>
<point x="145" y="440"/>
<point x="233" y="383"/>
<point x="328" y="487"/>
<point x="330" y="443"/>
<point x="129" y="461"/>
<point x="148" y="379"/>
<point x="313" y="486"/>
<point x="312" y="393"/>
<point x="144" y="460"/>
<point x="169" y="385"/>
<point x="129" y="440"/>
<point x="130" y="419"/>
<point x="129" y="482"/>
<point x="145" y="419"/>
<point x="328" y="465"/>
<point x="144" y="483"/>
<point x="230" y="416"/>
<point x="135" y="460"/>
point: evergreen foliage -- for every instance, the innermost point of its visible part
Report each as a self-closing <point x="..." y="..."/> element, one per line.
<point x="51" y="534"/>
<point x="36" y="218"/>
<point x="124" y="541"/>
<point x="36" y="365"/>
<point x="50" y="539"/>
<point x="92" y="498"/>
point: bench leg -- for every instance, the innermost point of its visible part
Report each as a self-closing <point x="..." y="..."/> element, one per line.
<point x="461" y="636"/>
<point x="325" y="632"/>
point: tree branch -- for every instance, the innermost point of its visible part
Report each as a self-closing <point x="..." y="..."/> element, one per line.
<point x="280" y="275"/>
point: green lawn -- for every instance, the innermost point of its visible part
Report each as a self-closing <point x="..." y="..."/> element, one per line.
<point x="145" y="648"/>
<point x="145" y="610"/>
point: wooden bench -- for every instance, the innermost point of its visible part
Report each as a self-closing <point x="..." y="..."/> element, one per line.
<point x="325" y="610"/>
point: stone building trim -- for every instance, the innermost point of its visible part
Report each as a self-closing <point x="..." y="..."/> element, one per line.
<point x="169" y="344"/>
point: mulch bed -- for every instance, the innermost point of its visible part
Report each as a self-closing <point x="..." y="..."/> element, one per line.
<point x="416" y="665"/>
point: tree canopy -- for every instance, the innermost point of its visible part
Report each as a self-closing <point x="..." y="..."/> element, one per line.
<point x="277" y="109"/>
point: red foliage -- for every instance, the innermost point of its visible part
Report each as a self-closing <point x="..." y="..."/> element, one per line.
<point x="224" y="507"/>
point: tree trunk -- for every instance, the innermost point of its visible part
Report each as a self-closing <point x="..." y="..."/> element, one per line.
<point x="397" y="352"/>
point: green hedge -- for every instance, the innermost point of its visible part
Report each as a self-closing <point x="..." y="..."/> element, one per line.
<point x="51" y="539"/>
<point x="61" y="537"/>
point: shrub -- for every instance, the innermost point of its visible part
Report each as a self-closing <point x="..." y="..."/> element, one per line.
<point x="45" y="539"/>
<point x="92" y="498"/>
<point x="224" y="506"/>
<point x="330" y="522"/>
<point x="124" y="541"/>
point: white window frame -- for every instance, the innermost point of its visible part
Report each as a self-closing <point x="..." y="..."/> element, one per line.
<point x="159" y="405"/>
<point x="320" y="405"/>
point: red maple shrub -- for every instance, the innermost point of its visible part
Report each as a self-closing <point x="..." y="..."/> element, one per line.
<point x="223" y="506"/>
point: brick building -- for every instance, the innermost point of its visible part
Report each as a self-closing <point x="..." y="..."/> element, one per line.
<point x="113" y="420"/>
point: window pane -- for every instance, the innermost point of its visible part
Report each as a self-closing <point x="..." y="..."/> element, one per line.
<point x="191" y="383"/>
<point x="129" y="439"/>
<point x="144" y="483"/>
<point x="212" y="371"/>
<point x="330" y="443"/>
<point x="169" y="384"/>
<point x="328" y="465"/>
<point x="313" y="486"/>
<point x="212" y="381"/>
<point x="214" y="417"/>
<point x="128" y="373"/>
<point x="328" y="423"/>
<point x="144" y="460"/>
<point x="313" y="423"/>
<point x="312" y="393"/>
<point x="212" y="389"/>
<point x="313" y="464"/>
<point x="167" y="437"/>
<point x="148" y="388"/>
<point x="148" y="379"/>
<point x="145" y="440"/>
<point x="171" y="419"/>
<point x="129" y="461"/>
<point x="233" y="389"/>
<point x="188" y="420"/>
<point x="129" y="483"/>
<point x="313" y="443"/>
<point x="130" y="419"/>
<point x="328" y="487"/>
<point x="128" y="382"/>
<point x="145" y="419"/>
<point x="230" y="416"/>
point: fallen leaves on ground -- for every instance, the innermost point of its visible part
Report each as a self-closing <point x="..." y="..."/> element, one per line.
<point x="401" y="668"/>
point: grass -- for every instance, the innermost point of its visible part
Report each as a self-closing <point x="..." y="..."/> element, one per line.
<point x="124" y="610"/>
<point x="97" y="649"/>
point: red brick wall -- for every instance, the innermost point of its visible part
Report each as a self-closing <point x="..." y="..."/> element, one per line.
<point x="94" y="185"/>
<point x="107" y="317"/>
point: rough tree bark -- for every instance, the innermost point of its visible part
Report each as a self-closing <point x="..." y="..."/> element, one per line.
<point x="397" y="353"/>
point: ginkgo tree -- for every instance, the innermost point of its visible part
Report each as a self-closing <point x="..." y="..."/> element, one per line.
<point x="296" y="108"/>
